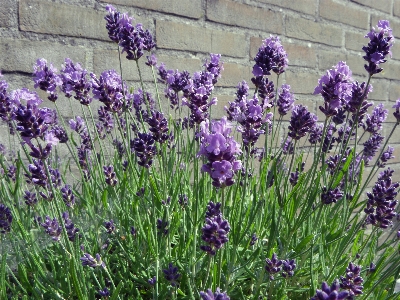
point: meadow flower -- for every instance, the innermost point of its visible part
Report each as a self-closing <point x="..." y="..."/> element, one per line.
<point x="336" y="88"/>
<point x="69" y="227"/>
<point x="301" y="122"/>
<point x="68" y="195"/>
<point x="330" y="292"/>
<point x="144" y="148"/>
<point x="285" y="100"/>
<point x="111" y="177"/>
<point x="88" y="260"/>
<point x="5" y="219"/>
<point x="379" y="46"/>
<point x="53" y="228"/>
<point x="273" y="265"/>
<point x="215" y="233"/>
<point x="270" y="56"/>
<point x="45" y="77"/>
<point x="75" y="82"/>
<point x="171" y="274"/>
<point x="220" y="149"/>
<point x="218" y="295"/>
<point x="353" y="281"/>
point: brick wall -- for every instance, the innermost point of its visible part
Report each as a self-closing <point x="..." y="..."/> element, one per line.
<point x="315" y="33"/>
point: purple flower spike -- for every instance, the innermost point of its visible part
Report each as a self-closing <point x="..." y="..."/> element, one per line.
<point x="144" y="148"/>
<point x="5" y="219"/>
<point x="353" y="281"/>
<point x="69" y="227"/>
<point x="113" y="18"/>
<point x="273" y="265"/>
<point x="104" y="293"/>
<point x="285" y="100"/>
<point x="379" y="46"/>
<point x="371" y="147"/>
<point x="396" y="114"/>
<point x="111" y="177"/>
<point x="158" y="126"/>
<point x="171" y="274"/>
<point x="330" y="292"/>
<point x="30" y="198"/>
<point x="45" y="78"/>
<point x="301" y="122"/>
<point x="331" y="196"/>
<point x="373" y="122"/>
<point x="270" y="56"/>
<point x="215" y="234"/>
<point x="88" y="260"/>
<point x="336" y="88"/>
<point x="218" y="295"/>
<point x="214" y="66"/>
<point x="288" y="267"/>
<point x="152" y="281"/>
<point x="110" y="226"/>
<point x="213" y="209"/>
<point x="386" y="155"/>
<point x="53" y="228"/>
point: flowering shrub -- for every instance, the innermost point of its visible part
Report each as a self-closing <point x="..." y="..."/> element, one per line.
<point x="180" y="205"/>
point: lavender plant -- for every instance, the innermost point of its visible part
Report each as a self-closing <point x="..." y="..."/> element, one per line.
<point x="176" y="205"/>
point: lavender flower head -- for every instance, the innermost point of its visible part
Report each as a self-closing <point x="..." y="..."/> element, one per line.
<point x="45" y="77"/>
<point x="273" y="265"/>
<point x="396" y="114"/>
<point x="171" y="274"/>
<point x="218" y="295"/>
<point x="379" y="46"/>
<point x="270" y="56"/>
<point x="104" y="293"/>
<point x="221" y="150"/>
<point x="53" y="228"/>
<point x="113" y="17"/>
<point x="285" y="100"/>
<point x="301" y="122"/>
<point x="144" y="148"/>
<point x="336" y="88"/>
<point x="88" y="260"/>
<point x="373" y="122"/>
<point x="371" y="147"/>
<point x="69" y="227"/>
<point x="5" y="219"/>
<point x="214" y="66"/>
<point x="386" y="155"/>
<point x="353" y="281"/>
<point x="330" y="292"/>
<point x="215" y="234"/>
<point x="75" y="82"/>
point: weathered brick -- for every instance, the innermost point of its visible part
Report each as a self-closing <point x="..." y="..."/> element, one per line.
<point x="327" y="59"/>
<point x="255" y="44"/>
<point x="129" y="68"/>
<point x="54" y="18"/>
<point x="395" y="52"/>
<point x="396" y="8"/>
<point x="394" y="23"/>
<point x="356" y="63"/>
<point x="234" y="73"/>
<point x="218" y="111"/>
<point x="380" y="89"/>
<point x="228" y="43"/>
<point x="23" y="61"/>
<point x="243" y="15"/>
<point x="188" y="8"/>
<point x="308" y="30"/>
<point x="390" y="70"/>
<point x="179" y="36"/>
<point x="343" y="13"/>
<point x="394" y="90"/>
<point x="301" y="82"/>
<point x="7" y="13"/>
<point x="379" y="5"/>
<point x="355" y="41"/>
<point x="305" y="6"/>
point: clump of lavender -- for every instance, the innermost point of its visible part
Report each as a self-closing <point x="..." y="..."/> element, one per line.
<point x="251" y="115"/>
<point x="379" y="46"/>
<point x="144" y="148"/>
<point x="270" y="56"/>
<point x="381" y="202"/>
<point x="171" y="274"/>
<point x="110" y="90"/>
<point x="75" y="82"/>
<point x="111" y="177"/>
<point x="221" y="150"/>
<point x="218" y="295"/>
<point x="273" y="265"/>
<point x="69" y="227"/>
<point x="30" y="198"/>
<point x="5" y="219"/>
<point x="110" y="226"/>
<point x="45" y="77"/>
<point x="301" y="122"/>
<point x="53" y="228"/>
<point x="330" y="292"/>
<point x="353" y="281"/>
<point x="285" y="100"/>
<point x="88" y="260"/>
<point x="373" y="122"/>
<point x="215" y="234"/>
<point x="329" y="196"/>
<point x="336" y="88"/>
